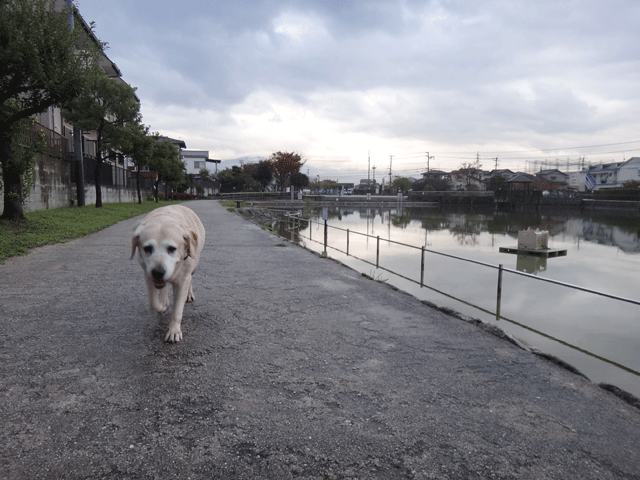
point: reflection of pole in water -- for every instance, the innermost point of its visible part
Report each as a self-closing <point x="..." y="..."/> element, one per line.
<point x="367" y="236"/>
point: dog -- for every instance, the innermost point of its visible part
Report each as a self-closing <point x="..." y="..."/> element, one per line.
<point x="169" y="241"/>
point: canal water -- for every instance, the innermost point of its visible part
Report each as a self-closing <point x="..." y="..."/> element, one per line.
<point x="598" y="335"/>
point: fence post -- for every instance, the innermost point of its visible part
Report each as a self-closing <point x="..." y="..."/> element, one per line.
<point x="378" y="251"/>
<point x="422" y="267"/>
<point x="499" y="293"/>
<point x="325" y="238"/>
<point x="347" y="242"/>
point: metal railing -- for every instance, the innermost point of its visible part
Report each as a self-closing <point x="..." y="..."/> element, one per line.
<point x="296" y="222"/>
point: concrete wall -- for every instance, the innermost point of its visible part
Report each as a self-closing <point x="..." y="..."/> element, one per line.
<point x="52" y="185"/>
<point x="53" y="188"/>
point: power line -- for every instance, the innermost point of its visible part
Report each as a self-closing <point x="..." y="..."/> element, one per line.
<point x="505" y="152"/>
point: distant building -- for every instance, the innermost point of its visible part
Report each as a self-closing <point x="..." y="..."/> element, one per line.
<point x="367" y="186"/>
<point x="194" y="160"/>
<point x="179" y="144"/>
<point x="436" y="175"/>
<point x="629" y="171"/>
<point x="504" y="173"/>
<point x="606" y="175"/>
<point x="555" y="177"/>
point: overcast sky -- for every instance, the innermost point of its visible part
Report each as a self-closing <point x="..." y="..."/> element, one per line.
<point x="333" y="80"/>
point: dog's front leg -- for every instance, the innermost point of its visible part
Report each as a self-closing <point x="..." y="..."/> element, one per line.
<point x="158" y="299"/>
<point x="180" y="292"/>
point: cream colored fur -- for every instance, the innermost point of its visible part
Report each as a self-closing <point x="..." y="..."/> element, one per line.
<point x="169" y="241"/>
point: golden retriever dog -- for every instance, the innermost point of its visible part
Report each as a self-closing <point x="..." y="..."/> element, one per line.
<point x="169" y="241"/>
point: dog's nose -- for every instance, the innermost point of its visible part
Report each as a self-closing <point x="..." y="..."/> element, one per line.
<point x="158" y="273"/>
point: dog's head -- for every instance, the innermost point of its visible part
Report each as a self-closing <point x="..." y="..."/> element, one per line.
<point x="161" y="249"/>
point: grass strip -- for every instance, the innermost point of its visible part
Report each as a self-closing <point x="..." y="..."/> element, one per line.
<point x="59" y="225"/>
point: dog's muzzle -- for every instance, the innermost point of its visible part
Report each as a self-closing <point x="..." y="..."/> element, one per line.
<point x="157" y="275"/>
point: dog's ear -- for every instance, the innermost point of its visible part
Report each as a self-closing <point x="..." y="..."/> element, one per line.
<point x="135" y="241"/>
<point x="187" y="247"/>
<point x="188" y="240"/>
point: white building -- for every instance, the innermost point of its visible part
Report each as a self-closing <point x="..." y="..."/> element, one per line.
<point x="195" y="160"/>
<point x="607" y="175"/>
<point x="577" y="180"/>
<point x="629" y="171"/>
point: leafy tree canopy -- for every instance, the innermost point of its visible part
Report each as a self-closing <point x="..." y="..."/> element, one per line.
<point x="262" y="173"/>
<point x="108" y="107"/>
<point x="44" y="63"/>
<point x="401" y="183"/>
<point x="299" y="180"/>
<point x="283" y="165"/>
<point x="165" y="161"/>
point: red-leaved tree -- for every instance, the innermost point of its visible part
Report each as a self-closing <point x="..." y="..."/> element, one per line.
<point x="284" y="165"/>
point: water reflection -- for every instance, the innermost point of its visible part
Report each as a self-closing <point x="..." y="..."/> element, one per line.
<point x="465" y="227"/>
<point x="602" y="254"/>
<point x="531" y="264"/>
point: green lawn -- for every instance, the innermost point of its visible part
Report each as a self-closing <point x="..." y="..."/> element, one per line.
<point x="63" y="224"/>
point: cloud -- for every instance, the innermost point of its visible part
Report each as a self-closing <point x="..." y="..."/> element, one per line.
<point x="333" y="79"/>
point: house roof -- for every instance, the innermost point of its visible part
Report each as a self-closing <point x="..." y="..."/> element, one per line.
<point x="177" y="143"/>
<point x="604" y="167"/>
<point x="547" y="172"/>
<point x="520" y="178"/>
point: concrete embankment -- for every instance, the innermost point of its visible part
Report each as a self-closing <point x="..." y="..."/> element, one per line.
<point x="291" y="366"/>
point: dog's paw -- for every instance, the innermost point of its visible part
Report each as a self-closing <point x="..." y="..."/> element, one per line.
<point x="160" y="308"/>
<point x="190" y="298"/>
<point x="174" y="334"/>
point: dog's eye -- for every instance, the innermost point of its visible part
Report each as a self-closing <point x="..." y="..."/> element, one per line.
<point x="171" y="249"/>
<point x="148" y="249"/>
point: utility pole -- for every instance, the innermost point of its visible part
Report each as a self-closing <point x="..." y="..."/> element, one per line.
<point x="429" y="157"/>
<point x="368" y="165"/>
<point x="390" y="163"/>
<point x="496" y="163"/>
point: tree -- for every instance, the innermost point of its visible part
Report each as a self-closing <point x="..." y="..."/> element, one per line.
<point x="205" y="174"/>
<point x="250" y="183"/>
<point x="283" y="165"/>
<point x="232" y="179"/>
<point x="468" y="174"/>
<point x="139" y="145"/>
<point x="166" y="162"/>
<point x="299" y="180"/>
<point x="401" y="183"/>
<point x="108" y="106"/>
<point x="262" y="174"/>
<point x="497" y="183"/>
<point x="43" y="64"/>
<point x="27" y="141"/>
